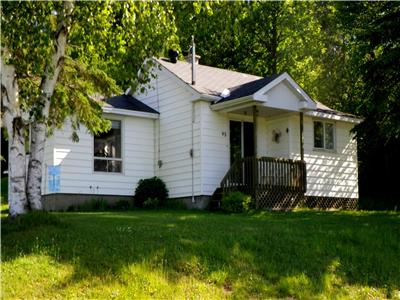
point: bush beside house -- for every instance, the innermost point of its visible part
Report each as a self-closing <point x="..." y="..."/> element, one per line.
<point x="150" y="193"/>
<point x="236" y="202"/>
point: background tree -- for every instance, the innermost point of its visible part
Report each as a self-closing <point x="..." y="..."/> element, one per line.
<point x="56" y="57"/>
<point x="344" y="54"/>
<point x="375" y="39"/>
<point x="255" y="37"/>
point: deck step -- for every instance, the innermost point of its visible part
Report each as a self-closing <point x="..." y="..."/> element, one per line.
<point x="215" y="203"/>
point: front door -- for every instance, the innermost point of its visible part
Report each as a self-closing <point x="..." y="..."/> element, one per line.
<point x="241" y="139"/>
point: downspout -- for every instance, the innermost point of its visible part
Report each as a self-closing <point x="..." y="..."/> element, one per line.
<point x="192" y="151"/>
<point x="158" y="130"/>
<point x="193" y="112"/>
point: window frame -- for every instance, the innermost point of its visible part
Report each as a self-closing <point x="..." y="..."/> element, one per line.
<point x="324" y="122"/>
<point x="111" y="158"/>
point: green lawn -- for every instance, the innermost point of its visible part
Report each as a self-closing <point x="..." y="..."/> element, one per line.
<point x="200" y="255"/>
<point x="4" y="189"/>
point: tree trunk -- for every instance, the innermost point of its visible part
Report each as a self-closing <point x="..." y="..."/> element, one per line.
<point x="34" y="184"/>
<point x="17" y="200"/>
<point x="39" y="126"/>
<point x="12" y="120"/>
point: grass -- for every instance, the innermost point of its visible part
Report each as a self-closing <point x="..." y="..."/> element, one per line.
<point x="4" y="189"/>
<point x="200" y="255"/>
<point x="3" y="197"/>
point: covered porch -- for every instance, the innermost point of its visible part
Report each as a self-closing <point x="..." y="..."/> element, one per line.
<point x="274" y="182"/>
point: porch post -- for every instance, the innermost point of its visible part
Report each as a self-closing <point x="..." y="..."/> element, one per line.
<point x="255" y="129"/>
<point x="301" y="137"/>
<point x="255" y="161"/>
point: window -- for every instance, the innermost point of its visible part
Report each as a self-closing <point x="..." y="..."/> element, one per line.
<point x="324" y="135"/>
<point x="107" y="150"/>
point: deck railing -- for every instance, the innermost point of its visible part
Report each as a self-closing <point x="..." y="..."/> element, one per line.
<point x="266" y="175"/>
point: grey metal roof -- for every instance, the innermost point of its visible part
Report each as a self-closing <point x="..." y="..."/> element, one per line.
<point x="209" y="80"/>
<point x="213" y="81"/>
<point x="129" y="103"/>
<point x="325" y="109"/>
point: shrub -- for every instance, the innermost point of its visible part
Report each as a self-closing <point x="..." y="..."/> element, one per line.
<point x="151" y="203"/>
<point x="94" y="205"/>
<point x="175" y="204"/>
<point x="122" y="204"/>
<point x="236" y="202"/>
<point x="150" y="188"/>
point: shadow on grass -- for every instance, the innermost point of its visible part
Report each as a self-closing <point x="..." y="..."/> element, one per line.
<point x="296" y="254"/>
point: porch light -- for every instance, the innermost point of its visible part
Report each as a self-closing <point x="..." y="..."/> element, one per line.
<point x="225" y="93"/>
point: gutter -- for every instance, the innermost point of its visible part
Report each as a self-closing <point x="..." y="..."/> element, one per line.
<point x="333" y="116"/>
<point x="209" y="98"/>
<point x="131" y="113"/>
<point x="232" y="103"/>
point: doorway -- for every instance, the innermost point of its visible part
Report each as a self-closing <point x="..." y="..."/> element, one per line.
<point x="241" y="137"/>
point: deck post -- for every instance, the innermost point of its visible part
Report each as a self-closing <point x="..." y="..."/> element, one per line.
<point x="301" y="136"/>
<point x="255" y="129"/>
<point x="255" y="162"/>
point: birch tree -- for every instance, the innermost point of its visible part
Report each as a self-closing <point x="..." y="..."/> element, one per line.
<point x="55" y="56"/>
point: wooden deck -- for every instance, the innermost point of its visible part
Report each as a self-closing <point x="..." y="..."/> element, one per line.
<point x="274" y="183"/>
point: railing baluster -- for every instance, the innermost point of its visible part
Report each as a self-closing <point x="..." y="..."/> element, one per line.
<point x="250" y="174"/>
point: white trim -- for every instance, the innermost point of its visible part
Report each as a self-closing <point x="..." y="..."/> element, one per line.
<point x="131" y="113"/>
<point x="206" y="97"/>
<point x="234" y="103"/>
<point x="324" y="115"/>
<point x="260" y="98"/>
<point x="179" y="81"/>
<point x="121" y="159"/>
<point x="260" y="94"/>
<point x="324" y="122"/>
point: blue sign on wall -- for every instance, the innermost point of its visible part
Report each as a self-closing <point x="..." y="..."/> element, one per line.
<point x="53" y="178"/>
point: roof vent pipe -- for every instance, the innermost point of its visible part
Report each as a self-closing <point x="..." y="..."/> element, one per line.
<point x="173" y="55"/>
<point x="193" y="61"/>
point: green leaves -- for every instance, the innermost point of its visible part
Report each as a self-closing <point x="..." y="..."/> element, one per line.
<point x="107" y="44"/>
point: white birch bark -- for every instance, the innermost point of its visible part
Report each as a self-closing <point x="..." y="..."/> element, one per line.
<point x="12" y="119"/>
<point x="39" y="127"/>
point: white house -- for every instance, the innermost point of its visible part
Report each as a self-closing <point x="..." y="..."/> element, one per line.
<point x="192" y="125"/>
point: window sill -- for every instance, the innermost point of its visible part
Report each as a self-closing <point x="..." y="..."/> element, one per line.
<point x="324" y="150"/>
<point x="108" y="173"/>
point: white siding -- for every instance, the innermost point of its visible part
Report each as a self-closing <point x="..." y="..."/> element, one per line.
<point x="47" y="161"/>
<point x="281" y="96"/>
<point x="277" y="148"/>
<point x="329" y="173"/>
<point x="216" y="148"/>
<point x="174" y="134"/>
<point x="215" y="158"/>
<point x="76" y="159"/>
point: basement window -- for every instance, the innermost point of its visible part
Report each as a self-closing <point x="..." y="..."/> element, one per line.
<point x="324" y="135"/>
<point x="107" y="150"/>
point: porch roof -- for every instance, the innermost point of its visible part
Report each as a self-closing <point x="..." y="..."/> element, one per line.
<point x="248" y="88"/>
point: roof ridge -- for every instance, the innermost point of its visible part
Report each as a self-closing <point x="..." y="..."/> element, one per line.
<point x="164" y="59"/>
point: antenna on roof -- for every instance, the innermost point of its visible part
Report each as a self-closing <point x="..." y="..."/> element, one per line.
<point x="193" y="50"/>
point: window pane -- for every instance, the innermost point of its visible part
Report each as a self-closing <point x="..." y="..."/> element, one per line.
<point x="329" y="138"/>
<point x="108" y="144"/>
<point x="101" y="165"/>
<point x="114" y="166"/>
<point x="318" y="135"/>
